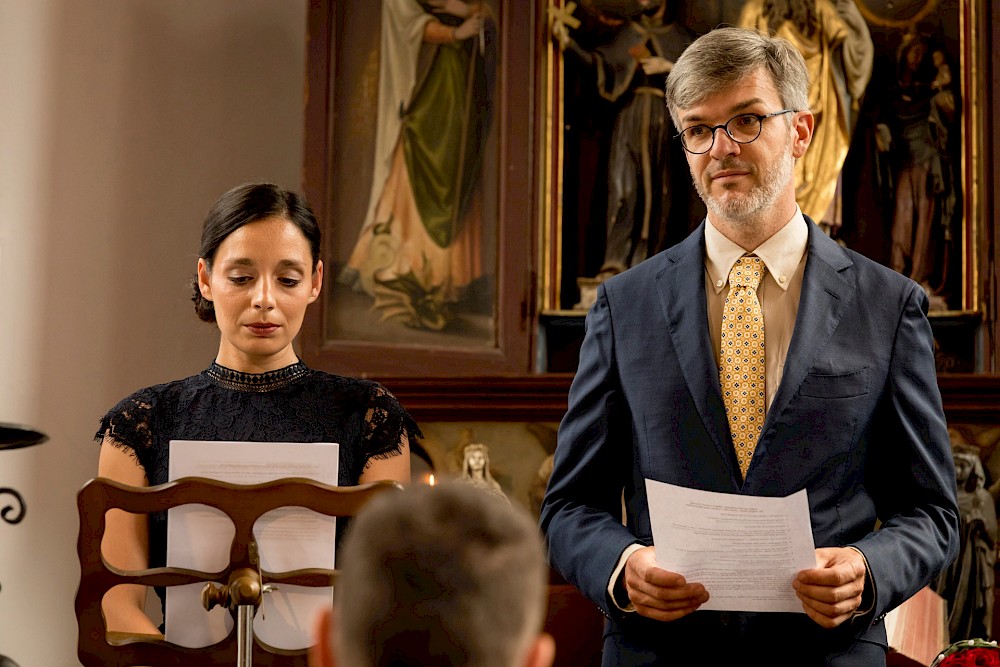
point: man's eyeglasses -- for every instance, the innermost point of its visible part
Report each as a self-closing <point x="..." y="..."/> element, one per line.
<point x="742" y="129"/>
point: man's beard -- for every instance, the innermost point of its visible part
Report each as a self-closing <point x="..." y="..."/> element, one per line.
<point x="746" y="207"/>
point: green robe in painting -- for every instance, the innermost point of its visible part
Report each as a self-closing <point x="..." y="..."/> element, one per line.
<point x="420" y="247"/>
<point x="443" y="132"/>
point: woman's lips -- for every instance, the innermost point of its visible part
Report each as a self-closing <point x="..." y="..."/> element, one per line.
<point x="263" y="328"/>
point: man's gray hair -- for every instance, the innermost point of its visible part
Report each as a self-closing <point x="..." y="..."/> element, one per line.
<point x="445" y="575"/>
<point x="725" y="56"/>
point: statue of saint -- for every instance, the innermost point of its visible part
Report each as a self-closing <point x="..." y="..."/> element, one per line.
<point x="968" y="583"/>
<point x="833" y="38"/>
<point x="476" y="469"/>
<point x="631" y="63"/>
<point x="917" y="134"/>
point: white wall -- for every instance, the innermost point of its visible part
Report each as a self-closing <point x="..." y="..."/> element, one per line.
<point x="120" y="123"/>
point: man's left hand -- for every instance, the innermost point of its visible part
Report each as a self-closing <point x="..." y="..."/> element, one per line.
<point x="831" y="592"/>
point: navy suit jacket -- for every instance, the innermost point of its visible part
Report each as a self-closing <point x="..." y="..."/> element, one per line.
<point x="856" y="421"/>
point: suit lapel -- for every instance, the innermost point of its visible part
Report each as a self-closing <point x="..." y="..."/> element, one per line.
<point x="828" y="285"/>
<point x="681" y="287"/>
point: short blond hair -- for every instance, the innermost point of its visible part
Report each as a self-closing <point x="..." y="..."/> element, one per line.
<point x="444" y="575"/>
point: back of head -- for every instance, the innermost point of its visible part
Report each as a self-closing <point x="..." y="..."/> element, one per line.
<point x="725" y="56"/>
<point x="445" y="575"/>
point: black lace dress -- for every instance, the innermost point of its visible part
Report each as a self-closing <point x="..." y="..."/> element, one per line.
<point x="293" y="404"/>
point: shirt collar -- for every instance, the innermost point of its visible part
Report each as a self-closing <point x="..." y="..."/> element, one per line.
<point x="781" y="253"/>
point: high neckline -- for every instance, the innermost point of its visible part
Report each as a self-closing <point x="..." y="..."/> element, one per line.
<point x="257" y="383"/>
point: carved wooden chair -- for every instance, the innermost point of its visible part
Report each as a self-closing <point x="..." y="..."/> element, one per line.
<point x="240" y="582"/>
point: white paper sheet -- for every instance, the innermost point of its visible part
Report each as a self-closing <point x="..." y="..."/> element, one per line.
<point x="199" y="538"/>
<point x="745" y="550"/>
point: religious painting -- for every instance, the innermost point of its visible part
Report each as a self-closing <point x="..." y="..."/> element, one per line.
<point x="405" y="148"/>
<point x="893" y="170"/>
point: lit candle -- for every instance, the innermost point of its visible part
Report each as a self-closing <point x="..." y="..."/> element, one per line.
<point x="430" y="479"/>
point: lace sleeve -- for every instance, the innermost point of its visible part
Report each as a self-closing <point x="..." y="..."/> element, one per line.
<point x="385" y="424"/>
<point x="129" y="426"/>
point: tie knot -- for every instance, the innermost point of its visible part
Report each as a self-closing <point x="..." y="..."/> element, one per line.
<point x="747" y="272"/>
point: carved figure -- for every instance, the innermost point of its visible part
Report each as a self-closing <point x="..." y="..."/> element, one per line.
<point x="916" y="135"/>
<point x="631" y="67"/>
<point x="968" y="583"/>
<point x="476" y="468"/>
<point x="833" y="38"/>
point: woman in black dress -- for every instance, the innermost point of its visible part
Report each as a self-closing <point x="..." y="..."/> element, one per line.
<point x="258" y="270"/>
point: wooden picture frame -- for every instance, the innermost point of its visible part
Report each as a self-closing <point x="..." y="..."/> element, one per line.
<point x="958" y="29"/>
<point x="342" y="78"/>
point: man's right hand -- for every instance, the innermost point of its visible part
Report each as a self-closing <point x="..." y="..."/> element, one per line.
<point x="657" y="593"/>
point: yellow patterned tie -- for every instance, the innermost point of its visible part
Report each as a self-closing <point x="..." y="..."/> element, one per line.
<point x="741" y="358"/>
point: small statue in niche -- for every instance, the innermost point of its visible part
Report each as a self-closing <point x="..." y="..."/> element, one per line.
<point x="476" y="469"/>
<point x="968" y="583"/>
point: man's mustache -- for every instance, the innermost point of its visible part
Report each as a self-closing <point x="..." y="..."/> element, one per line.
<point x="732" y="164"/>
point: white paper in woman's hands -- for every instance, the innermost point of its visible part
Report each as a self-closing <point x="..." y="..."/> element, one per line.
<point x="199" y="538"/>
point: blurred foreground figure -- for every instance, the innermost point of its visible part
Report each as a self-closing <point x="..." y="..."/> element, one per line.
<point x="445" y="575"/>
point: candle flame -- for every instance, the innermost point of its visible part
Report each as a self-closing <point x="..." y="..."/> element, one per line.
<point x="430" y="479"/>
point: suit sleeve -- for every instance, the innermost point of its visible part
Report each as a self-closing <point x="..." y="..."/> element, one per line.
<point x="582" y="510"/>
<point x="910" y="472"/>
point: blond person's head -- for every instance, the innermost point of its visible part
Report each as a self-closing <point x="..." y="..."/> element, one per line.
<point x="445" y="575"/>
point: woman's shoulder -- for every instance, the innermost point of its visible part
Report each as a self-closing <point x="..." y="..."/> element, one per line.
<point x="134" y="416"/>
<point x="155" y="394"/>
<point x="383" y="415"/>
<point x="341" y="386"/>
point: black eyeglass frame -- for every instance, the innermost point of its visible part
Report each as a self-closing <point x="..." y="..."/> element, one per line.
<point x="725" y="128"/>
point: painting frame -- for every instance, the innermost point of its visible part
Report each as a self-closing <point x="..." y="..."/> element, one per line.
<point x="514" y="297"/>
<point x="973" y="29"/>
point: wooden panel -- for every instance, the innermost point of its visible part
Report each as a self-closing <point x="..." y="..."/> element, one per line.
<point x="973" y="399"/>
<point x="244" y="504"/>
<point x="339" y="101"/>
<point x="916" y="629"/>
<point x="527" y="398"/>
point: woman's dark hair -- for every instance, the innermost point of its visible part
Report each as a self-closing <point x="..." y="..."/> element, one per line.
<point x="240" y="206"/>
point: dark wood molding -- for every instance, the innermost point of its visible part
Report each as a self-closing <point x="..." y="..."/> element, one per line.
<point x="992" y="203"/>
<point x="519" y="398"/>
<point x="970" y="398"/>
<point x="967" y="398"/>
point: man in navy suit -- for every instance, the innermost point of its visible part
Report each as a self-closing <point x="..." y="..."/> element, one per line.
<point x="853" y="412"/>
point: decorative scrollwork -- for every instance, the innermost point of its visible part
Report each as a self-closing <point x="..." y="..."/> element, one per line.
<point x="882" y="22"/>
<point x="9" y="509"/>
